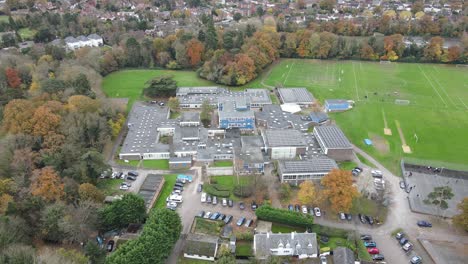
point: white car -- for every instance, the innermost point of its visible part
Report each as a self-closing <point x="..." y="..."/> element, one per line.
<point x="323" y="260"/>
<point x="317" y="211"/>
<point x="171" y="204"/>
<point x="203" y="197"/>
<point x="207" y="215"/>
<point x="114" y="174"/>
<point x="304" y="209"/>
<point x="224" y="203"/>
<point x="124" y="187"/>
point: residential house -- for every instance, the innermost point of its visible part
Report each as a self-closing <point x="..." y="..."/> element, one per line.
<point x="343" y="255"/>
<point x="202" y="247"/>
<point x="300" y="245"/>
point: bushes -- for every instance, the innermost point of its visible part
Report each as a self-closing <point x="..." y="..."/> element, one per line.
<point x="284" y="216"/>
<point x="212" y="189"/>
<point x="329" y="231"/>
<point x="243" y="191"/>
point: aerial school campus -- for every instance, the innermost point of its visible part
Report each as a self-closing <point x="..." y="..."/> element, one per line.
<point x="408" y="118"/>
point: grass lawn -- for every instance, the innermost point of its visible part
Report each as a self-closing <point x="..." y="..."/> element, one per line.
<point x="368" y="207"/>
<point x="436" y="112"/>
<point x="347" y="165"/>
<point x="133" y="163"/>
<point x="334" y="242"/>
<point x="209" y="227"/>
<point x="229" y="181"/>
<point x="110" y="186"/>
<point x="27" y="33"/>
<point x="130" y="83"/>
<point x="222" y="163"/>
<point x="4" y="19"/>
<point x="156" y="164"/>
<point x="279" y="228"/>
<point x="274" y="99"/>
<point x="174" y="115"/>
<point x="244" y="248"/>
<point x="169" y="182"/>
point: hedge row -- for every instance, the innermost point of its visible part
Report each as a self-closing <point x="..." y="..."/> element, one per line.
<point x="220" y="187"/>
<point x="243" y="191"/>
<point x="211" y="190"/>
<point x="330" y="231"/>
<point x="284" y="216"/>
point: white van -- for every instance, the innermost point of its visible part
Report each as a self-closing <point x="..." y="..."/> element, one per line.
<point x="203" y="197"/>
<point x="175" y="198"/>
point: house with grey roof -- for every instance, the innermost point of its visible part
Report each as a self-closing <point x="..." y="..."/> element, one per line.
<point x="190" y="119"/>
<point x="300" y="245"/>
<point x="284" y="144"/>
<point x="300" y="96"/>
<point x="333" y="142"/>
<point x="297" y="171"/>
<point x="199" y="246"/>
<point x="343" y="255"/>
<point x="92" y="40"/>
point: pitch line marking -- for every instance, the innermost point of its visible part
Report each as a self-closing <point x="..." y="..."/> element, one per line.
<point x="442" y="99"/>
<point x="443" y="90"/>
<point x="463" y="103"/>
<point x="285" y="80"/>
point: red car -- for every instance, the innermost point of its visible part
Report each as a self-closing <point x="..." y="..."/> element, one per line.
<point x="373" y="250"/>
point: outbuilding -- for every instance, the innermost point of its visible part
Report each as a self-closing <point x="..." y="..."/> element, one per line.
<point x="334" y="142"/>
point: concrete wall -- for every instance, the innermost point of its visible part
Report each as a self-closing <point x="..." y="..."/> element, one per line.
<point x="214" y="171"/>
<point x="340" y="154"/>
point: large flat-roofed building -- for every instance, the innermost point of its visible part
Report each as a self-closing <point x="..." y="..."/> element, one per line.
<point x="300" y="245"/>
<point x="273" y="117"/>
<point x="258" y="97"/>
<point x="334" y="142"/>
<point x="300" y="96"/>
<point x="337" y="105"/>
<point x="235" y="112"/>
<point x="284" y="144"/>
<point x="249" y="158"/>
<point x="190" y="119"/>
<point x="142" y="140"/>
<point x="297" y="171"/>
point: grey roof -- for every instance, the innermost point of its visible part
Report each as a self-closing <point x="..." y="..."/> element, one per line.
<point x="283" y="138"/>
<point x="180" y="160"/>
<point x="197" y="95"/>
<point x="149" y="187"/>
<point x="95" y="36"/>
<point x="336" y="101"/>
<point x="318" y="117"/>
<point x="234" y="107"/>
<point x="198" y="244"/>
<point x="301" y="243"/>
<point x="313" y="165"/>
<point x="277" y="118"/>
<point x="343" y="255"/>
<point x="190" y="117"/>
<point x="258" y="96"/>
<point x="143" y="122"/>
<point x="295" y="95"/>
<point x="82" y="38"/>
<point x="252" y="141"/>
<point x="70" y="39"/>
<point x="197" y="90"/>
<point x="332" y="137"/>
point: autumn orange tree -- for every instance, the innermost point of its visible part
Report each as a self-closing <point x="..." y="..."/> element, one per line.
<point x="87" y="191"/>
<point x="307" y="194"/>
<point x="339" y="190"/>
<point x="194" y="52"/>
<point x="47" y="184"/>
<point x="13" y="78"/>
<point x="17" y="117"/>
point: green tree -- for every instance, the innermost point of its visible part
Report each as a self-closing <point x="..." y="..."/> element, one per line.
<point x="161" y="86"/>
<point x="285" y="191"/>
<point x="225" y="257"/>
<point x="260" y="12"/>
<point x="211" y="37"/>
<point x="130" y="209"/>
<point x="237" y="16"/>
<point x="462" y="218"/>
<point x="50" y="227"/>
<point x="205" y="115"/>
<point x="92" y="165"/>
<point x="96" y="254"/>
<point x="173" y="104"/>
<point x="133" y="49"/>
<point x="439" y="197"/>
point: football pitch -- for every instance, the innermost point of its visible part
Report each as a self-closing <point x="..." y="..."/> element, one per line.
<point x="423" y="106"/>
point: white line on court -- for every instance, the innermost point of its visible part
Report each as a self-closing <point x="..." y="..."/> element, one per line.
<point x="463" y="103"/>
<point x="288" y="72"/>
<point x="433" y="87"/>
<point x="445" y="92"/>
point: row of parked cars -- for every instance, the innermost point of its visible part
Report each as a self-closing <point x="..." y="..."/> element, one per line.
<point x="372" y="247"/>
<point x="225" y="218"/>
<point x="305" y="210"/>
<point x="176" y="195"/>
<point x="407" y="246"/>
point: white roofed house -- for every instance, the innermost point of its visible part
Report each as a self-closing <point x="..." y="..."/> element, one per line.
<point x="300" y="245"/>
<point x="95" y="40"/>
<point x="72" y="43"/>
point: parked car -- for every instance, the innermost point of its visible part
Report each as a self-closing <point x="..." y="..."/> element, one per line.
<point x="304" y="209"/>
<point x="248" y="223"/>
<point x="208" y="199"/>
<point x="181" y="181"/>
<point x="423" y="223"/>
<point x="171" y="204"/>
<point x="407" y="247"/>
<point x="201" y="214"/>
<point x="416" y="260"/>
<point x="215" y="216"/>
<point x="291" y="207"/>
<point x="207" y="215"/>
<point x="133" y="173"/>
<point x="228" y="219"/>
<point x="178" y="188"/>
<point x="230" y="203"/>
<point x="358" y="169"/>
<point x="369" y="219"/>
<point x="376" y="174"/>
<point x="297" y="208"/>
<point x="178" y="192"/>
<point x="203" y="197"/>
<point x="362" y="219"/>
<point x="200" y="187"/>
<point x="215" y="200"/>
<point x="241" y="206"/>
<point x="317" y="211"/>
<point x="378" y="257"/>
<point x="403" y="241"/>
<point x="373" y="250"/>
<point x="399" y="236"/>
<point x="342" y="216"/>
<point x="254" y="206"/>
<point x="132" y="178"/>
<point x="240" y="221"/>
<point x="124" y="187"/>
<point x="349" y="217"/>
<point x="402" y="185"/>
<point x="110" y="245"/>
<point x="370" y="244"/>
<point x="221" y="217"/>
<point x="119" y="175"/>
<point x="366" y="237"/>
<point x="355" y="172"/>
<point x="323" y="260"/>
<point x="224" y="202"/>
<point x="179" y="185"/>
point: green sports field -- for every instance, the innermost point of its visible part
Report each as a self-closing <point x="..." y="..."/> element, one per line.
<point x="436" y="114"/>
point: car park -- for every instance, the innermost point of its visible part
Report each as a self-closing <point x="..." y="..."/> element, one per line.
<point x="181" y="181"/>
<point x="304" y="209"/>
<point x="369" y="219"/>
<point x="248" y="223"/>
<point x="224" y="202"/>
<point x="179" y="185"/>
<point x="215" y="200"/>
<point x="177" y="188"/>
<point x="208" y="199"/>
<point x="230" y="203"/>
<point x="203" y="197"/>
<point x="121" y="175"/>
<point x="240" y="221"/>
<point x="373" y="250"/>
<point x="173" y="208"/>
<point x="342" y="216"/>
<point x="407" y="247"/>
<point x="366" y="237"/>
<point x="370" y="244"/>
<point x="317" y="211"/>
<point x="215" y="216"/>
<point x="110" y="245"/>
<point x="133" y="173"/>
<point x="290" y="207"/>
<point x="178" y="192"/>
<point x="241" y="206"/>
<point x="254" y="206"/>
<point x="200" y="187"/>
<point x="201" y="214"/>
<point x="207" y="215"/>
<point x="378" y="257"/>
<point x="424" y="224"/>
<point x="416" y="260"/>
<point x="228" y="219"/>
<point x="376" y="174"/>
